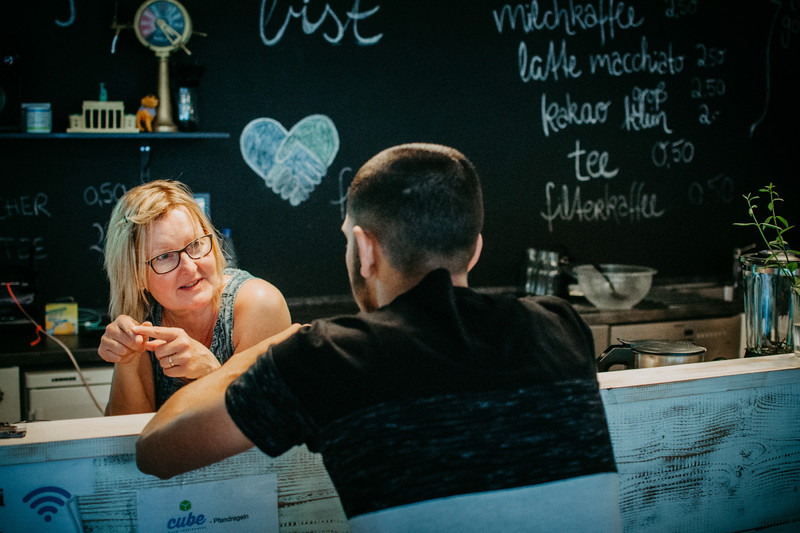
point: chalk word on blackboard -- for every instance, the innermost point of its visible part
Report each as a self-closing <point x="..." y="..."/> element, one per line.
<point x="559" y="63"/>
<point x="557" y="117"/>
<point x="643" y="109"/>
<point x="569" y="17"/>
<point x="291" y="163"/>
<point x="632" y="207"/>
<point x="24" y="206"/>
<point x="106" y="194"/>
<point x="20" y="250"/>
<point x="594" y="165"/>
<point x="309" y="27"/>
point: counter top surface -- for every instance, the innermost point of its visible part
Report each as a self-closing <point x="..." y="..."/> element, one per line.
<point x="16" y="349"/>
<point x="673" y="301"/>
<point x="78" y="429"/>
<point x="100" y="427"/>
<point x="641" y="377"/>
<point x="663" y="303"/>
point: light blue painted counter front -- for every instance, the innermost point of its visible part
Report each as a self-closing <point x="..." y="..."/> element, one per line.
<point x="704" y="447"/>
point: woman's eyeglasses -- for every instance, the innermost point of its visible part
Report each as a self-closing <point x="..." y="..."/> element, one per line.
<point x="169" y="261"/>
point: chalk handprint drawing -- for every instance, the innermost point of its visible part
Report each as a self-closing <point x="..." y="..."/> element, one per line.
<point x="291" y="163"/>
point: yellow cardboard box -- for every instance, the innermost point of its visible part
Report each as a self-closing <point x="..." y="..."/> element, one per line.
<point x="61" y="318"/>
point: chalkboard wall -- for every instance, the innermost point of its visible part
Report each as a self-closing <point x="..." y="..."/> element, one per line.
<point x="614" y="131"/>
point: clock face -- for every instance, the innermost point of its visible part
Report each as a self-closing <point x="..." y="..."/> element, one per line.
<point x="162" y="25"/>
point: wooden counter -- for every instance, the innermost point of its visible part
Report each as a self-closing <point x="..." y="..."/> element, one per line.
<point x="306" y="497"/>
<point x="705" y="447"/>
<point x="709" y="446"/>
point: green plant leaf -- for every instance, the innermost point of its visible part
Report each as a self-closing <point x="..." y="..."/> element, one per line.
<point x="777" y="226"/>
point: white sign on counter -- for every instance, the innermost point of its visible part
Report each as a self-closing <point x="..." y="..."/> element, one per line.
<point x="239" y="504"/>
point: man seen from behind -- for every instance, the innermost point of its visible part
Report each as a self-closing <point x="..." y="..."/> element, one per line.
<point x="436" y="408"/>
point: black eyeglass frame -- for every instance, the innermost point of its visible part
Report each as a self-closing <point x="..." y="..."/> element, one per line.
<point x="149" y="262"/>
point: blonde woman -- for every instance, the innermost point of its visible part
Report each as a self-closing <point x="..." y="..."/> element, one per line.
<point x="178" y="313"/>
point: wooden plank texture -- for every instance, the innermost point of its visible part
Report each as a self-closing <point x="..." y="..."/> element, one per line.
<point x="711" y="447"/>
<point x="307" y="500"/>
<point x="708" y="452"/>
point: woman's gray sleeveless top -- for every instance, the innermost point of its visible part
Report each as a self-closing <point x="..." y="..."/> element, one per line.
<point x="221" y="341"/>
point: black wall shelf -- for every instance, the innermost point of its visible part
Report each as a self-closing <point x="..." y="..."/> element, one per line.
<point x="136" y="136"/>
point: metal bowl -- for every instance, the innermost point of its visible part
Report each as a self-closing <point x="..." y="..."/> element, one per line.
<point x="610" y="286"/>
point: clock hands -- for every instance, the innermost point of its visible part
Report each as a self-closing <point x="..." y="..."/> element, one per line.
<point x="171" y="34"/>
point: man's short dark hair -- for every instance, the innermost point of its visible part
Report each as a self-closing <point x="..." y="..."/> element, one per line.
<point x="423" y="202"/>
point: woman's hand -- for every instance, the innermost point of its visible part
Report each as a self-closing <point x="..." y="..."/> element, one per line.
<point x="179" y="355"/>
<point x="120" y="344"/>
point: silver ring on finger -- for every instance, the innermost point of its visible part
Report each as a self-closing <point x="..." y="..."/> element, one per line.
<point x="171" y="364"/>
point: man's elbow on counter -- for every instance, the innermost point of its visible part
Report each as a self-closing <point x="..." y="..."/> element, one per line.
<point x="150" y="461"/>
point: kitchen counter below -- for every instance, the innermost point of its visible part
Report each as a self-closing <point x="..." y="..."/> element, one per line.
<point x="700" y="444"/>
<point x="16" y="349"/>
<point x="664" y="303"/>
<point x="672" y="301"/>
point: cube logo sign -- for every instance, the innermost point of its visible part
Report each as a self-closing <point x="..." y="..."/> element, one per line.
<point x="186" y="520"/>
<point x="197" y="507"/>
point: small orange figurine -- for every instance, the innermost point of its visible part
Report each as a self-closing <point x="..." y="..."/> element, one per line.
<point x="146" y="113"/>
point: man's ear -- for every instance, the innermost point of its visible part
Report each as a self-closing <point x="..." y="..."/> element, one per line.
<point x="477" y="253"/>
<point x="367" y="251"/>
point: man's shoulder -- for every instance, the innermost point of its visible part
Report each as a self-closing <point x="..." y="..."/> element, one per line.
<point x="513" y="307"/>
<point x="548" y="304"/>
<point x="343" y="334"/>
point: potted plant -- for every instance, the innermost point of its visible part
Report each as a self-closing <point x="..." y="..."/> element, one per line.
<point x="771" y="282"/>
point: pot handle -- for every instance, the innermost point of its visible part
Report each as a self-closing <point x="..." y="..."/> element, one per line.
<point x="616" y="354"/>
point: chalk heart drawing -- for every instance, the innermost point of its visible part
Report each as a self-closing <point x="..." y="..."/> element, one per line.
<point x="291" y="163"/>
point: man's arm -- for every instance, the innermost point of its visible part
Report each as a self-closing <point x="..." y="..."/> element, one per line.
<point x="193" y="428"/>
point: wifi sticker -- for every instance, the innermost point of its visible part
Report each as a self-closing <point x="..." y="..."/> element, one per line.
<point x="47" y="501"/>
<point x="43" y="496"/>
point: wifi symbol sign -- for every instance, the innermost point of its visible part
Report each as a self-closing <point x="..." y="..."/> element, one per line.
<point x="46" y="499"/>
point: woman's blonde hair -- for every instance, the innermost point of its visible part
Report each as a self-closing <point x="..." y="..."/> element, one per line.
<point x="125" y="250"/>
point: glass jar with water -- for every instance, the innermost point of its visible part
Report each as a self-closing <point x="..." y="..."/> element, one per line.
<point x="772" y="316"/>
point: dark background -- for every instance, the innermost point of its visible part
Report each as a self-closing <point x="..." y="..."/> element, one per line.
<point x="441" y="72"/>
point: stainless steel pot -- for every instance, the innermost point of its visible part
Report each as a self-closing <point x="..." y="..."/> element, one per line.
<point x="649" y="353"/>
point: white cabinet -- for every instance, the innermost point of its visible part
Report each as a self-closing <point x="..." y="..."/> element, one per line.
<point x="9" y="395"/>
<point x="60" y="394"/>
